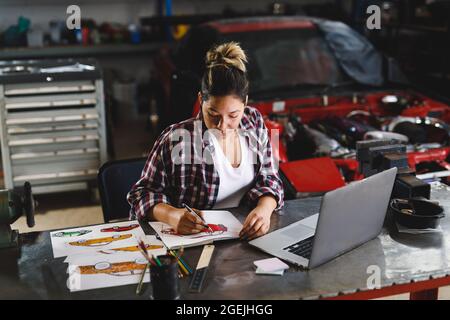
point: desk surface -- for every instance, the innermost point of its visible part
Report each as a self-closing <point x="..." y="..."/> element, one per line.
<point x="402" y="258"/>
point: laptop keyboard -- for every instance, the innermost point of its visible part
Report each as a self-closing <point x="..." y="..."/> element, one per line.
<point x="302" y="248"/>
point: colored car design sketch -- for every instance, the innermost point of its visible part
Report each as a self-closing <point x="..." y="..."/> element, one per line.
<point x="119" y="269"/>
<point x="64" y="234"/>
<point x="99" y="241"/>
<point x="216" y="230"/>
<point x="120" y="229"/>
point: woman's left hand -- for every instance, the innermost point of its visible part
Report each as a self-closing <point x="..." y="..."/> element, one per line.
<point x="256" y="224"/>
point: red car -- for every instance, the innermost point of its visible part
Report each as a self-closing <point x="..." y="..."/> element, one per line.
<point x="216" y="229"/>
<point x="321" y="84"/>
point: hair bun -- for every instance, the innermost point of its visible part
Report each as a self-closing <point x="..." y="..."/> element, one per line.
<point x="228" y="55"/>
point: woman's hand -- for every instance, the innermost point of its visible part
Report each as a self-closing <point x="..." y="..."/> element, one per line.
<point x="257" y="222"/>
<point x="183" y="222"/>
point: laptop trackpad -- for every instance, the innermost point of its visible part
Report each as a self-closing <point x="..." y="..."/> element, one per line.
<point x="298" y="231"/>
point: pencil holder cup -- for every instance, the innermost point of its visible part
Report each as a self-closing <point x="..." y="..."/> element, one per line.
<point x="164" y="279"/>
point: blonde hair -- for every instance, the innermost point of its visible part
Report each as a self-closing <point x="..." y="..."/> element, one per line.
<point x="228" y="55"/>
<point x="226" y="71"/>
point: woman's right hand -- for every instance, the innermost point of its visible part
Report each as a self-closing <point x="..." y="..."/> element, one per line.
<point x="183" y="222"/>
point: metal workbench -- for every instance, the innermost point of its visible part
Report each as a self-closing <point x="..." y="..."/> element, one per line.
<point x="408" y="263"/>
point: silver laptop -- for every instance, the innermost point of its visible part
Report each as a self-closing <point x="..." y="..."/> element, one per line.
<point x="349" y="216"/>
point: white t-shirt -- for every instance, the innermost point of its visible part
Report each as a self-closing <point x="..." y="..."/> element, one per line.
<point x="234" y="182"/>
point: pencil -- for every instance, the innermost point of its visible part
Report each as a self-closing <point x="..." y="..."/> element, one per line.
<point x="141" y="280"/>
<point x="147" y="257"/>
<point x="180" y="253"/>
<point x="142" y="247"/>
<point x="189" y="270"/>
<point x="179" y="263"/>
<point x="157" y="260"/>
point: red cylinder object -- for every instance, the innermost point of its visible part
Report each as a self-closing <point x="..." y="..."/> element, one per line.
<point x="85" y="36"/>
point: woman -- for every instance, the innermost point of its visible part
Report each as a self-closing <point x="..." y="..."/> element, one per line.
<point x="216" y="160"/>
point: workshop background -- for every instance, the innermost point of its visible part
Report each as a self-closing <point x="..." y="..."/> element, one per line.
<point x="129" y="73"/>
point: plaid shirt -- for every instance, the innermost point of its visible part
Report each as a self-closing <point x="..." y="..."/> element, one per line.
<point x="180" y="168"/>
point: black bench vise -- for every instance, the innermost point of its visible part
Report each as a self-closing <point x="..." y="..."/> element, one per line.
<point x="375" y="156"/>
<point x="13" y="204"/>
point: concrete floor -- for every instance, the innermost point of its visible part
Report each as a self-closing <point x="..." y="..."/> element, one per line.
<point x="130" y="139"/>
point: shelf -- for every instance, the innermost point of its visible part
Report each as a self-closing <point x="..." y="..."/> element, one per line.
<point x="77" y="51"/>
<point x="417" y="27"/>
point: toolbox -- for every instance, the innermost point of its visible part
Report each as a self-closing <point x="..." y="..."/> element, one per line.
<point x="52" y="119"/>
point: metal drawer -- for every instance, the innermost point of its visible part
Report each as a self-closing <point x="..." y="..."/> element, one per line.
<point x="50" y="116"/>
<point x="32" y="158"/>
<point x="51" y="137"/>
<point x="56" y="166"/>
<point x="55" y="178"/>
<point x="50" y="101"/>
<point x="23" y="89"/>
<point x="52" y="127"/>
<point x="87" y="142"/>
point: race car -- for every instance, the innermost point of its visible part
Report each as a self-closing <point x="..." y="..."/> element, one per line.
<point x="64" y="234"/>
<point x="216" y="229"/>
<point x="126" y="268"/>
<point x="121" y="229"/>
<point x="99" y="241"/>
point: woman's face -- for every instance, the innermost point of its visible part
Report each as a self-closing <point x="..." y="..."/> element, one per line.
<point x="223" y="113"/>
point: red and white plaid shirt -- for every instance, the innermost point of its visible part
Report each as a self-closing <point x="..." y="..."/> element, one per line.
<point x="180" y="168"/>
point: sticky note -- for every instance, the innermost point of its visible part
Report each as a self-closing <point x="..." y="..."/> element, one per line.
<point x="271" y="265"/>
<point x="273" y="273"/>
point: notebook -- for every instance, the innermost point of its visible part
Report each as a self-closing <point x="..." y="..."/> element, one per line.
<point x="224" y="226"/>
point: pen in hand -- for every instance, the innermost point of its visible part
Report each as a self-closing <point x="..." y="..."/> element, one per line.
<point x="196" y="215"/>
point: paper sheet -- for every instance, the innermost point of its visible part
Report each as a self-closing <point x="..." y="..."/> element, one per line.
<point x="223" y="223"/>
<point x="94" y="271"/>
<point x="94" y="238"/>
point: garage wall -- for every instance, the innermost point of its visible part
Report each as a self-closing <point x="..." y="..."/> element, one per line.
<point x="137" y="66"/>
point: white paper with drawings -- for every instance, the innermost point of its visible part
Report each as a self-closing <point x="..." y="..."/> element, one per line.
<point x="93" y="238"/>
<point x="223" y="223"/>
<point x="94" y="271"/>
<point x="154" y="247"/>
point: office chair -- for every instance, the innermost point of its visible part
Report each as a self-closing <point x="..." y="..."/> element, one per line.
<point x="115" y="179"/>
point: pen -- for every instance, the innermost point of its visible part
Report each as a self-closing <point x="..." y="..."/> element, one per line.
<point x="196" y="215"/>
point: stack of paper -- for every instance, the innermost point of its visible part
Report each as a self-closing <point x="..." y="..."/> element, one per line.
<point x="271" y="266"/>
<point x="104" y="255"/>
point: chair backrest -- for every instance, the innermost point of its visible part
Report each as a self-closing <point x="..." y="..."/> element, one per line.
<point x="115" y="179"/>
